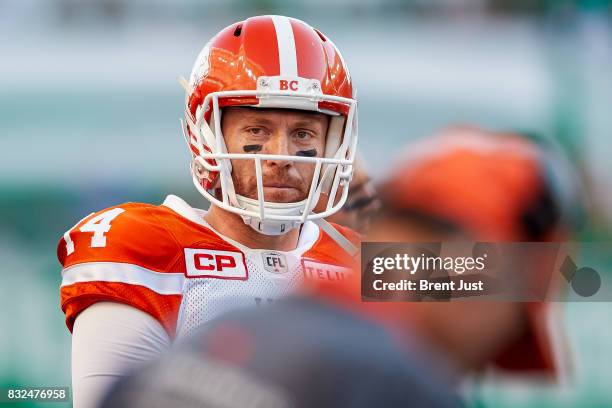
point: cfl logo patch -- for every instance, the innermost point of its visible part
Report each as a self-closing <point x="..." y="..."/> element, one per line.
<point x="274" y="262"/>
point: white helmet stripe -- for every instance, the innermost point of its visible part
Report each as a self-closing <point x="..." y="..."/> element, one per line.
<point x="287" y="58"/>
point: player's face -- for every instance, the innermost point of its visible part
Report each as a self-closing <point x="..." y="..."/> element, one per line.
<point x="274" y="131"/>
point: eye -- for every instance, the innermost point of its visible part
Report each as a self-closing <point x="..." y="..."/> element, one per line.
<point x="255" y="131"/>
<point x="303" y="135"/>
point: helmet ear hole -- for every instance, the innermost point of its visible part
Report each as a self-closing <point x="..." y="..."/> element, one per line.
<point x="238" y="30"/>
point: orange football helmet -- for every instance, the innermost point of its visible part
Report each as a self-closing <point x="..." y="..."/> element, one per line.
<point x="270" y="62"/>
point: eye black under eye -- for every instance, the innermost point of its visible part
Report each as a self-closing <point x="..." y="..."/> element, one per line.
<point x="252" y="148"/>
<point x="307" y="153"/>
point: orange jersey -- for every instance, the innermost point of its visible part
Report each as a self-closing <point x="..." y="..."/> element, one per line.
<point x="166" y="261"/>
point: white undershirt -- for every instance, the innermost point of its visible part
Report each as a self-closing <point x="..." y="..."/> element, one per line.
<point x="108" y="341"/>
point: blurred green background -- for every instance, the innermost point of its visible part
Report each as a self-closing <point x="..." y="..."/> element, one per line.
<point x="89" y="109"/>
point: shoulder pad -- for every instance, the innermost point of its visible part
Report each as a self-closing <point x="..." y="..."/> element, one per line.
<point x="132" y="233"/>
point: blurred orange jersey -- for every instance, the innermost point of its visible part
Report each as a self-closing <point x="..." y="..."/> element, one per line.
<point x="166" y="261"/>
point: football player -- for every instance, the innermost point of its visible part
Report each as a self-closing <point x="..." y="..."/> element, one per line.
<point x="271" y="124"/>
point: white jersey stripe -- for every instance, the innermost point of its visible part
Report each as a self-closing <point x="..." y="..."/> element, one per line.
<point x="286" y="46"/>
<point x="162" y="283"/>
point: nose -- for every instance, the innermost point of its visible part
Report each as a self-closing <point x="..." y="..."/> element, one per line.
<point x="279" y="145"/>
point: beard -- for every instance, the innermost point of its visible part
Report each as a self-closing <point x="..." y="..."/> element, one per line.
<point x="280" y="185"/>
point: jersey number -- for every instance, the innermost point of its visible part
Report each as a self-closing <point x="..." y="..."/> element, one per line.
<point x="99" y="225"/>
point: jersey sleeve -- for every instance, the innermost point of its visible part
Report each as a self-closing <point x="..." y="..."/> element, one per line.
<point x="121" y="254"/>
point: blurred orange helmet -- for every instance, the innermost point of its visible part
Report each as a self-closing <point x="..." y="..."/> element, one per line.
<point x="270" y="62"/>
<point x="495" y="187"/>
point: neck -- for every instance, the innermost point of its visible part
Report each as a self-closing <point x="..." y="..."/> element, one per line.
<point x="232" y="226"/>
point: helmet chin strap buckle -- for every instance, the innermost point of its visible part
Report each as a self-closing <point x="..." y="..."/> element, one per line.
<point x="270" y="227"/>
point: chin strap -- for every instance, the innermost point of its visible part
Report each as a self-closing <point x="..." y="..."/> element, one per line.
<point x="340" y="239"/>
<point x="270" y="227"/>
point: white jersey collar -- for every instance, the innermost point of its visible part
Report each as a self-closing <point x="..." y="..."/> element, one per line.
<point x="308" y="235"/>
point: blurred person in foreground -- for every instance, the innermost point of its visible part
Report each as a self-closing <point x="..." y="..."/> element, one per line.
<point x="271" y="126"/>
<point x="468" y="184"/>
